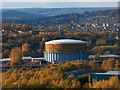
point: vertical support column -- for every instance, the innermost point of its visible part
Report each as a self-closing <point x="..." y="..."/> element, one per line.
<point x="60" y="57"/>
<point x="71" y="56"/>
<point x="65" y="56"/>
<point x="57" y="57"/>
<point x="81" y="54"/>
<point x="50" y="57"/>
<point x="46" y="56"/>
<point x="78" y="57"/>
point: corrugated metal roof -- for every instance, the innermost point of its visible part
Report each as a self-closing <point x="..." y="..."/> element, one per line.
<point x="105" y="56"/>
<point x="26" y="57"/>
<point x="38" y="58"/>
<point x="110" y="73"/>
<point x="91" y="56"/>
<point x="110" y="55"/>
<point x="65" y="41"/>
<point x="5" y="59"/>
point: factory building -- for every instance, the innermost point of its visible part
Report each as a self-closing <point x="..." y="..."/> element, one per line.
<point x="104" y="76"/>
<point x="103" y="57"/>
<point x="4" y="60"/>
<point x="64" y="50"/>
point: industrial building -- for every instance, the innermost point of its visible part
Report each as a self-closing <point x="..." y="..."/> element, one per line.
<point x="104" y="76"/>
<point x="103" y="57"/>
<point x="64" y="50"/>
<point x="4" y="60"/>
<point x="26" y="59"/>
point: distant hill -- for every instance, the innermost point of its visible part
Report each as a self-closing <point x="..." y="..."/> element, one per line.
<point x="17" y="16"/>
<point x="102" y="16"/>
<point x="46" y="16"/>
<point x="43" y="12"/>
<point x="14" y="14"/>
<point x="59" y="11"/>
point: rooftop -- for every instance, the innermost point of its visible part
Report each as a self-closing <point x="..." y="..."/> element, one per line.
<point x="110" y="73"/>
<point x="26" y="57"/>
<point x="110" y="55"/>
<point x="105" y="56"/>
<point x="5" y="59"/>
<point x="65" y="41"/>
<point x="38" y="58"/>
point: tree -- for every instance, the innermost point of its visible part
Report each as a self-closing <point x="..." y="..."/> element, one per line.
<point x="113" y="82"/>
<point x="100" y="42"/>
<point x="92" y="65"/>
<point x="111" y="64"/>
<point x="15" y="56"/>
<point x="103" y="66"/>
<point x="108" y="65"/>
<point x="40" y="51"/>
<point x="25" y="49"/>
<point x="6" y="53"/>
<point x="116" y="64"/>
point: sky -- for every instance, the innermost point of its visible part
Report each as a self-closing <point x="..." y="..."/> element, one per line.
<point x="60" y="0"/>
<point x="57" y="3"/>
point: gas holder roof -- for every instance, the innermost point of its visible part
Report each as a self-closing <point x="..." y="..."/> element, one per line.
<point x="65" y="41"/>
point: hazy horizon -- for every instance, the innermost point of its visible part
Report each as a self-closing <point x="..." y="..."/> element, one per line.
<point x="10" y="5"/>
<point x="61" y="1"/>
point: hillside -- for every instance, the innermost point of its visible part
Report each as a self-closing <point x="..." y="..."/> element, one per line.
<point x="17" y="16"/>
<point x="55" y="16"/>
<point x="87" y="17"/>
<point x="59" y="11"/>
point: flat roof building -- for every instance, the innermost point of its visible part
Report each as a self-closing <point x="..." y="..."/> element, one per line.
<point x="104" y="56"/>
<point x="4" y="60"/>
<point x="104" y="76"/>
